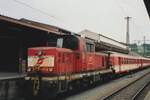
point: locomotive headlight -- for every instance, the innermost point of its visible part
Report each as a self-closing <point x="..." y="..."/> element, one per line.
<point x="27" y="78"/>
<point x="29" y="69"/>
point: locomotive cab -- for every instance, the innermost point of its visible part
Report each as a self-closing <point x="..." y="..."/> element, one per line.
<point x="57" y="57"/>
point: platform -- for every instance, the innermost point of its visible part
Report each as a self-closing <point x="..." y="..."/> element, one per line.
<point x="8" y="75"/>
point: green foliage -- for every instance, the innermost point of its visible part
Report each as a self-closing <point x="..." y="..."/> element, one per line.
<point x="143" y="49"/>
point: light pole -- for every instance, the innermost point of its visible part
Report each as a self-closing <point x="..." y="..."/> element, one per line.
<point x="127" y="31"/>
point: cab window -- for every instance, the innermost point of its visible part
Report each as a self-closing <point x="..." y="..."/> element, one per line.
<point x="89" y="47"/>
<point x="64" y="41"/>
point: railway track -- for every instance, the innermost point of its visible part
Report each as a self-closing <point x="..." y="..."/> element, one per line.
<point x="131" y="91"/>
<point x="142" y="92"/>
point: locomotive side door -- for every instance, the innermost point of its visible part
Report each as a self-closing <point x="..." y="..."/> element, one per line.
<point x="90" y="55"/>
<point x="79" y="56"/>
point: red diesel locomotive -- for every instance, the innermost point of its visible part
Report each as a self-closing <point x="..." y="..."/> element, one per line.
<point x="68" y="60"/>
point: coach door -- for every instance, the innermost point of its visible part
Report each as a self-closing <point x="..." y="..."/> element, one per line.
<point x="120" y="64"/>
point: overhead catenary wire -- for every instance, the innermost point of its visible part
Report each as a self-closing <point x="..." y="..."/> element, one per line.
<point x="36" y="9"/>
<point x="121" y="8"/>
<point x="139" y="27"/>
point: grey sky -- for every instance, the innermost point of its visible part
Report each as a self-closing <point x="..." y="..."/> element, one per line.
<point x="101" y="16"/>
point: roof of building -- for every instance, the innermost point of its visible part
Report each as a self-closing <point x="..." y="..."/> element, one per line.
<point x="34" y="25"/>
<point x="101" y="38"/>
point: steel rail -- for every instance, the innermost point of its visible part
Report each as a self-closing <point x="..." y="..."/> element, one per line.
<point x="122" y="88"/>
<point x="138" y="93"/>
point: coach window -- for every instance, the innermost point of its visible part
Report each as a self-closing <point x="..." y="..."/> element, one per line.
<point x="124" y="62"/>
<point x="122" y="59"/>
<point x="103" y="61"/>
<point x="119" y="60"/>
<point x="127" y="61"/>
